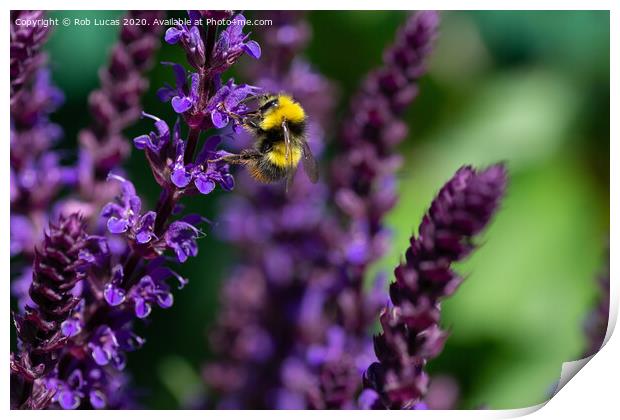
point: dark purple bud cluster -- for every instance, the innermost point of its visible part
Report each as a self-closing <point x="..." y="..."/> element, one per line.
<point x="27" y="38"/>
<point x="411" y="333"/>
<point x="37" y="173"/>
<point x="40" y="328"/>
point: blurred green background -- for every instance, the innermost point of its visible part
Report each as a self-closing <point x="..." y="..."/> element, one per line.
<point x="530" y="88"/>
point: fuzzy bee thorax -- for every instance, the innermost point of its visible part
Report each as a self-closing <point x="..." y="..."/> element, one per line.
<point x="286" y="110"/>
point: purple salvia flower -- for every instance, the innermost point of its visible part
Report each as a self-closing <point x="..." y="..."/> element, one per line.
<point x="165" y="151"/>
<point x="39" y="329"/>
<point x="232" y="44"/>
<point x="192" y="43"/>
<point x="410" y="327"/>
<point x="185" y="94"/>
<point x="122" y="275"/>
<point x="26" y="43"/>
<point x="210" y="61"/>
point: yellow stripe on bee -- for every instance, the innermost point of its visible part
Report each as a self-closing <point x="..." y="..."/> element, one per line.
<point x="287" y="109"/>
<point x="277" y="156"/>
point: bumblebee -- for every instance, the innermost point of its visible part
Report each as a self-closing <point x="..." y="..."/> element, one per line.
<point x="279" y="129"/>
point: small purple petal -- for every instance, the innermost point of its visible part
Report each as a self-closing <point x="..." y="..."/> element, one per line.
<point x="143" y="308"/>
<point x="181" y="104"/>
<point x="252" y="49"/>
<point x="113" y="295"/>
<point x="165" y="300"/>
<point x="173" y="35"/>
<point x="68" y="400"/>
<point x="141" y="141"/>
<point x="180" y="177"/>
<point x="220" y="120"/>
<point x="116" y="225"/>
<point x="99" y="355"/>
<point x="204" y="184"/>
<point x="70" y="327"/>
<point x="97" y="399"/>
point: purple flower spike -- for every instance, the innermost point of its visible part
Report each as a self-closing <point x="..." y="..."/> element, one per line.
<point x="411" y="333"/>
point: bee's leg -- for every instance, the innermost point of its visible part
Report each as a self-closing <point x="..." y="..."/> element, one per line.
<point x="242" y="158"/>
<point x="246" y="120"/>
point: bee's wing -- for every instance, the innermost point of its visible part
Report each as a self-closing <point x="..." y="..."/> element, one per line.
<point x="309" y="162"/>
<point x="288" y="155"/>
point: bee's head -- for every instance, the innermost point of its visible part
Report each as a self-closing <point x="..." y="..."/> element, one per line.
<point x="275" y="109"/>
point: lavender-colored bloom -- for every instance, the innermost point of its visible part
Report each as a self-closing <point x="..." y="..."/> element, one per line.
<point x="165" y="151"/>
<point x="228" y="99"/>
<point x="209" y="60"/>
<point x="232" y="44"/>
<point x="184" y="95"/>
<point x="26" y="43"/>
<point x="122" y="272"/>
<point x="192" y="43"/>
<point x="410" y="328"/>
<point x="181" y="237"/>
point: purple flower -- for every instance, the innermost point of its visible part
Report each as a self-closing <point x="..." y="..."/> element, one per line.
<point x="148" y="291"/>
<point x="410" y="328"/>
<point x="183" y="96"/>
<point x="190" y="39"/>
<point x="73" y="325"/>
<point x="228" y="99"/>
<point x="166" y="151"/>
<point x="181" y="237"/>
<point x="233" y="43"/>
<point x="155" y="140"/>
<point x="151" y="288"/>
<point x="81" y="384"/>
<point x="112" y="292"/>
<point x="125" y="212"/>
<point x="105" y="348"/>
